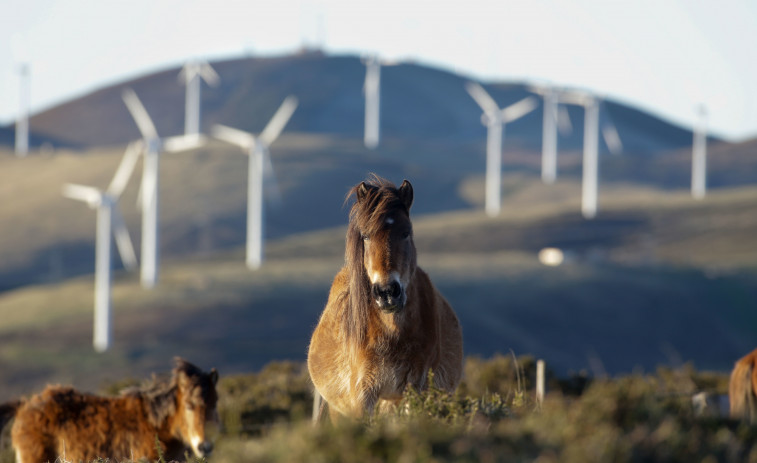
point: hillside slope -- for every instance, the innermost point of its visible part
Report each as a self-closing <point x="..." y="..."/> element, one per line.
<point x="659" y="279"/>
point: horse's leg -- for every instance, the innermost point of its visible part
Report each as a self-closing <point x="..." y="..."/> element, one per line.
<point x="318" y="407"/>
<point x="32" y="454"/>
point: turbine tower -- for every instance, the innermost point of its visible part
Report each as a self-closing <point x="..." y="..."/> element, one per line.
<point x="149" y="192"/>
<point x="192" y="74"/>
<point x="259" y="156"/>
<point x="590" y="176"/>
<point x="495" y="119"/>
<point x="108" y="219"/>
<point x="22" y="123"/>
<point x="699" y="156"/>
<point x="372" y="91"/>
<point x="555" y="118"/>
<point x="549" y="133"/>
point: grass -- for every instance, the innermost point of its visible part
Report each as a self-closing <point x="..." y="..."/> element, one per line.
<point x="632" y="418"/>
<point x="491" y="417"/>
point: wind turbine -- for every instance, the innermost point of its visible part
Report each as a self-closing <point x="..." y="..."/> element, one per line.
<point x="495" y="119"/>
<point x="699" y="156"/>
<point x="192" y="74"/>
<point x="555" y="117"/>
<point x="372" y="91"/>
<point x="22" y="124"/>
<point x="108" y="219"/>
<point x="259" y="156"/>
<point x="151" y="149"/>
<point x="590" y="176"/>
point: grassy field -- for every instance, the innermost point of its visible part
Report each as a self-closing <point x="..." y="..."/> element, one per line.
<point x="620" y="302"/>
<point x="492" y="417"/>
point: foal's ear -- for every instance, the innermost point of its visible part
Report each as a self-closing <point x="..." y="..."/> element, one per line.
<point x="406" y="194"/>
<point x="362" y="191"/>
<point x="214" y="376"/>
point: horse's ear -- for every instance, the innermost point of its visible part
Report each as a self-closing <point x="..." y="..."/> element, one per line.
<point x="361" y="191"/>
<point x="406" y="194"/>
<point x="214" y="376"/>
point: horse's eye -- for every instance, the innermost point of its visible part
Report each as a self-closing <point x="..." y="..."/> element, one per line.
<point x="405" y="235"/>
<point x="365" y="237"/>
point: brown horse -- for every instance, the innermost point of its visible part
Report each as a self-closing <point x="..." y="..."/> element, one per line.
<point x="63" y="423"/>
<point x="742" y="389"/>
<point x="385" y="325"/>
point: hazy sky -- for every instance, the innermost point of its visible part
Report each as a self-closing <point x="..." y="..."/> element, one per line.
<point x="664" y="56"/>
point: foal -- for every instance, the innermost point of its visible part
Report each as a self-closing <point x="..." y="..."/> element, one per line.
<point x="63" y="423"/>
<point x="385" y="325"/>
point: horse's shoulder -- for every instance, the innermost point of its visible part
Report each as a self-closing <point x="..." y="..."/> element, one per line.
<point x="340" y="285"/>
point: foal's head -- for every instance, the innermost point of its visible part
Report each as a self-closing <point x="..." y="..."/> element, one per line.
<point x="197" y="399"/>
<point x="380" y="228"/>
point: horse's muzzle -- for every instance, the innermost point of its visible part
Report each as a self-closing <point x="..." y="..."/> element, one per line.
<point x="205" y="448"/>
<point x="389" y="298"/>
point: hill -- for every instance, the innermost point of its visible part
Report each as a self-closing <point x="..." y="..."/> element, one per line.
<point x="645" y="284"/>
<point x="417" y="102"/>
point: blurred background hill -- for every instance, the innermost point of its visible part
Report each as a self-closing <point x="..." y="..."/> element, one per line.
<point x="418" y="103"/>
<point x="656" y="278"/>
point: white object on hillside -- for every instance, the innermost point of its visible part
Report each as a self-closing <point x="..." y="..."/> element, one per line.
<point x="109" y="220"/>
<point x="495" y="119"/>
<point x="257" y="148"/>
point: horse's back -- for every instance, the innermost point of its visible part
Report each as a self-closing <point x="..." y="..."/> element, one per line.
<point x="742" y="388"/>
<point x="62" y="420"/>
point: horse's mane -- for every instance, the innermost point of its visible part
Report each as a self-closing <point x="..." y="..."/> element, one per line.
<point x="374" y="200"/>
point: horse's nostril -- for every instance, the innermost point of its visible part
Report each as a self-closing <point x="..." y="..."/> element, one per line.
<point x="396" y="289"/>
<point x="206" y="447"/>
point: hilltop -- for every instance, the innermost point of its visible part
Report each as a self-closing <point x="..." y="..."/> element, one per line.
<point x="417" y="103"/>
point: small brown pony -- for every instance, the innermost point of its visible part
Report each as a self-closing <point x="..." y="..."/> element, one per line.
<point x="63" y="423"/>
<point x="385" y="325"/>
<point x="742" y="389"/>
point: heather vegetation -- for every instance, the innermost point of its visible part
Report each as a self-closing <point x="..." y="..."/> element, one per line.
<point x="493" y="416"/>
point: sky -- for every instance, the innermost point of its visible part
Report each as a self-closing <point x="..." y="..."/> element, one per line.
<point x="667" y="57"/>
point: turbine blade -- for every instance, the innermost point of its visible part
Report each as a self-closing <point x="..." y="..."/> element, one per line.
<point x="123" y="240"/>
<point x="563" y="121"/>
<point x="242" y="139"/>
<point x="481" y="97"/>
<point x="125" y="169"/>
<point x="278" y="121"/>
<point x="517" y="110"/>
<point x="90" y="195"/>
<point x="610" y="134"/>
<point x="209" y="74"/>
<point x="139" y="113"/>
<point x="610" y="131"/>
<point x="183" y="142"/>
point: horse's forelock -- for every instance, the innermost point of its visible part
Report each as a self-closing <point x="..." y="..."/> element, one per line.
<point x="374" y="201"/>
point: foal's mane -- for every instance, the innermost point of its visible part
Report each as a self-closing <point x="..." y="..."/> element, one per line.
<point x="159" y="394"/>
<point x="374" y="200"/>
